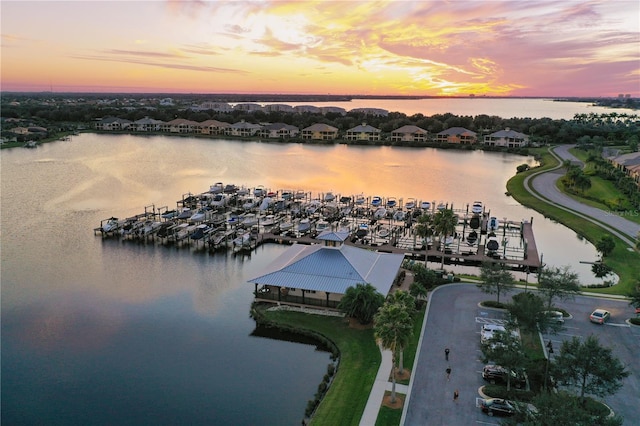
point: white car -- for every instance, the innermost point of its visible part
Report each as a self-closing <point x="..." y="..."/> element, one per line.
<point x="489" y="329"/>
<point x="554" y="316"/>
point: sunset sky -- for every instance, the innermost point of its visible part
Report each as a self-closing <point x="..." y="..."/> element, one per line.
<point x="425" y="48"/>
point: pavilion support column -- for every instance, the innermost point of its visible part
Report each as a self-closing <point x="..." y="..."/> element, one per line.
<point x="327" y="293"/>
<point x="303" y="302"/>
<point x="279" y="294"/>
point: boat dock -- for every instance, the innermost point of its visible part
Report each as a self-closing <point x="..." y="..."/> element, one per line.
<point x="228" y="218"/>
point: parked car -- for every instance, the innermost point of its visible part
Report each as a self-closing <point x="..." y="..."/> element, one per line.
<point x="497" y="374"/>
<point x="600" y="316"/>
<point x="497" y="407"/>
<point x="489" y="329"/>
<point x="554" y="316"/>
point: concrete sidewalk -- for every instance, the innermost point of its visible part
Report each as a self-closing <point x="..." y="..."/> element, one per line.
<point x="380" y="386"/>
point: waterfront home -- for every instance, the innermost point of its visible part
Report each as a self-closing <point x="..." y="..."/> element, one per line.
<point x="113" y="124"/>
<point x="320" y="131"/>
<point x="213" y="127"/>
<point x="507" y="138"/>
<point x="333" y="109"/>
<point x="278" y="108"/>
<point x="320" y="274"/>
<point x="248" y="107"/>
<point x="278" y="131"/>
<point x="457" y="135"/>
<point x="146" y="125"/>
<point x="306" y="109"/>
<point x="363" y="132"/>
<point x="629" y="164"/>
<point x="409" y="133"/>
<point x="213" y="106"/>
<point x="180" y="125"/>
<point x="243" y="129"/>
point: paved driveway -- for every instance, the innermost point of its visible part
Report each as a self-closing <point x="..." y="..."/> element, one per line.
<point x="454" y="320"/>
<point x="545" y="185"/>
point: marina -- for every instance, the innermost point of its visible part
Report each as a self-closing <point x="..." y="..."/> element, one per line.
<point x="239" y="219"/>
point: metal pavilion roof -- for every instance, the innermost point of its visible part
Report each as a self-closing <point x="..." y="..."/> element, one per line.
<point x="331" y="269"/>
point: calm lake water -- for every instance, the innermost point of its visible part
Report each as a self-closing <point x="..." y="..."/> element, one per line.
<point x="506" y="108"/>
<point x="104" y="332"/>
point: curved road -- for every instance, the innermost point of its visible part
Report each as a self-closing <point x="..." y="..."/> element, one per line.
<point x="543" y="186"/>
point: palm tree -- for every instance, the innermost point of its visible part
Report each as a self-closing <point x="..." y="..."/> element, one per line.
<point x="392" y="329"/>
<point x="424" y="230"/>
<point x="444" y="222"/>
<point x="361" y="302"/>
<point x="407" y="300"/>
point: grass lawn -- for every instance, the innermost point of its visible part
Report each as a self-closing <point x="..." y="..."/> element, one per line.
<point x="624" y="262"/>
<point x="347" y="396"/>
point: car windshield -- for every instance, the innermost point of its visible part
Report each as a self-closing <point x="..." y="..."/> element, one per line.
<point x="597" y="314"/>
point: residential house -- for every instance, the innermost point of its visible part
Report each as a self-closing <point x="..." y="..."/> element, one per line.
<point x="301" y="109"/>
<point x="113" y="124"/>
<point x="409" y="133"/>
<point x="320" y="131"/>
<point x="279" y="131"/>
<point x="363" y="132"/>
<point x="248" y="107"/>
<point x="278" y="108"/>
<point x="458" y="135"/>
<point x="214" y="106"/>
<point x="213" y="127"/>
<point x="507" y="138"/>
<point x="333" y="109"/>
<point x="629" y="164"/>
<point x="180" y="125"/>
<point x="371" y="111"/>
<point x="243" y="129"/>
<point x="146" y="125"/>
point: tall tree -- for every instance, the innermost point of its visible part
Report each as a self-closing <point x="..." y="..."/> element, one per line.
<point x="361" y="302"/>
<point x="590" y="367"/>
<point x="562" y="408"/>
<point x="495" y="280"/>
<point x="424" y="230"/>
<point x="392" y="328"/>
<point x="558" y="283"/>
<point x="407" y="300"/>
<point x="505" y="349"/>
<point x="528" y="310"/>
<point x="444" y="223"/>
<point x="606" y="245"/>
<point x="634" y="295"/>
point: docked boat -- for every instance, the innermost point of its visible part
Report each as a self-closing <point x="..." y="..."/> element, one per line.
<point x="285" y="226"/>
<point x="300" y="195"/>
<point x="259" y="191"/>
<point x="249" y="219"/>
<point x="398" y="215"/>
<point x="360" y="199"/>
<point x="329" y="196"/>
<point x="242" y="240"/>
<point x="216" y="188"/>
<point x="474" y="223"/>
<point x="493" y="223"/>
<point x="321" y="225"/>
<point x="391" y="202"/>
<point x="383" y="232"/>
<point x="441" y="206"/>
<point x="286" y="194"/>
<point x="304" y="225"/>
<point x="411" y="204"/>
<point x="345" y="199"/>
<point x="492" y="242"/>
<point x="362" y="231"/>
<point x="169" y="214"/>
<point x="379" y="213"/>
<point x="476" y="208"/>
<point x="425" y="205"/>
<point x="185" y="213"/>
<point x="110" y="225"/>
<point x="218" y="200"/>
<point x="376" y="201"/>
<point x="472" y="238"/>
<point x="269" y="220"/>
<point x="199" y="216"/>
<point x="266" y="203"/>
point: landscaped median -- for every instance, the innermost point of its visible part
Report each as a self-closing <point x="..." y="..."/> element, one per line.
<point x="625" y="263"/>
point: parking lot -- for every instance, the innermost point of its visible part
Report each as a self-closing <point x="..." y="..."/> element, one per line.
<point x="454" y="320"/>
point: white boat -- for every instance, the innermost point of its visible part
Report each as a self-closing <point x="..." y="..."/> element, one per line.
<point x="248" y="220"/>
<point x="185" y="213"/>
<point x="383" y="232"/>
<point x="391" y="202"/>
<point x="286" y="194"/>
<point x="380" y="213"/>
<point x="362" y="231"/>
<point x="425" y="205"/>
<point x="259" y="191"/>
<point x="242" y="239"/>
<point x="218" y="200"/>
<point x="266" y="203"/>
<point x="216" y="188"/>
<point x="150" y="227"/>
<point x="321" y="225"/>
<point x="329" y="196"/>
<point x="269" y="220"/>
<point x="313" y="206"/>
<point x="376" y="201"/>
<point x="249" y="203"/>
<point x="360" y="199"/>
<point x="476" y="208"/>
<point x="304" y="225"/>
<point x="111" y="225"/>
<point x="300" y="195"/>
<point x="199" y="215"/>
<point x="441" y="206"/>
<point x="411" y="204"/>
<point x="398" y="215"/>
<point x="285" y="226"/>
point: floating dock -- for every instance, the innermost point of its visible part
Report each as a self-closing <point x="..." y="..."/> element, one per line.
<point x="228" y="218"/>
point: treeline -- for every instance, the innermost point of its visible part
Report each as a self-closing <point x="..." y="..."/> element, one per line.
<point x="612" y="129"/>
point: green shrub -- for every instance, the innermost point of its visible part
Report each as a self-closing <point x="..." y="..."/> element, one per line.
<point x="634" y="321"/>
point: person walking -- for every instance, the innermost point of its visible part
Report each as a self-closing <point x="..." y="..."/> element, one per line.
<point x="456" y="394"/>
<point x="448" y="371"/>
<point x="446" y="354"/>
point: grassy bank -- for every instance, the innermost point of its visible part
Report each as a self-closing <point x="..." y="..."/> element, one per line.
<point x="625" y="263"/>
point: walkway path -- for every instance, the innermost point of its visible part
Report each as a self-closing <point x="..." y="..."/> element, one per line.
<point x="542" y="185"/>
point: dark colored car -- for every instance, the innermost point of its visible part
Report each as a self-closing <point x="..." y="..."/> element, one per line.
<point x="497" y="407"/>
<point x="497" y="374"/>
